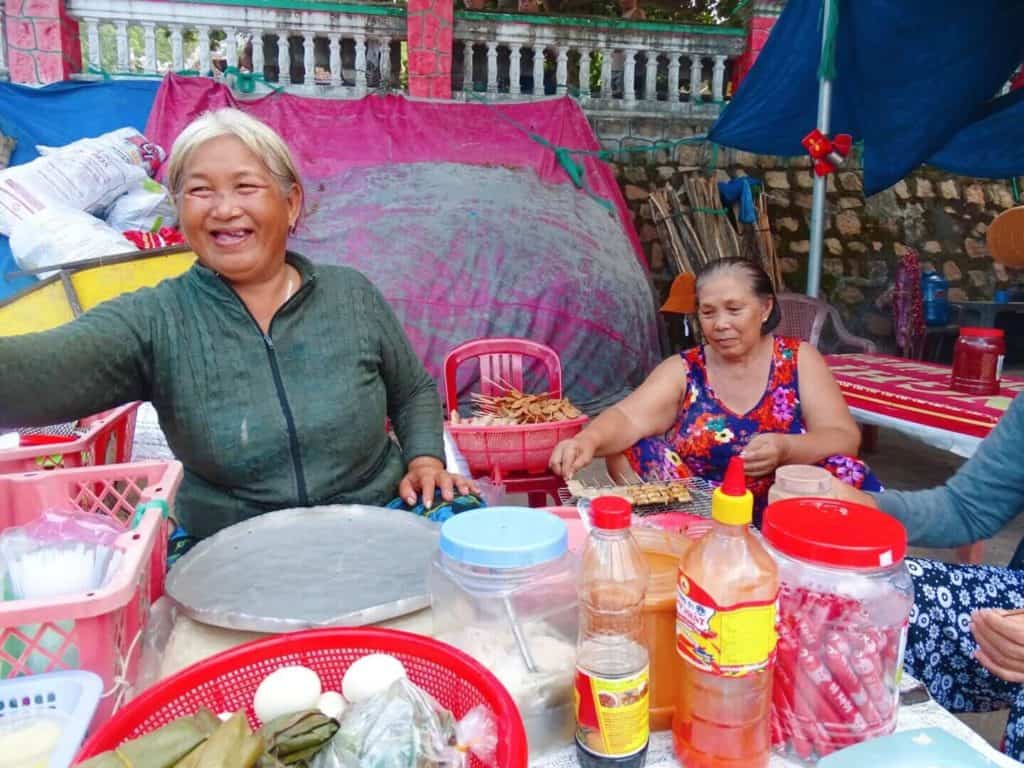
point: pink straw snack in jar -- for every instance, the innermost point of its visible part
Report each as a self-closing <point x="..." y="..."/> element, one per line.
<point x="843" y="612"/>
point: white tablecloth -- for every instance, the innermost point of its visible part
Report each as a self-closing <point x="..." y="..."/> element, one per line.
<point x="927" y="715"/>
<point x="943" y="439"/>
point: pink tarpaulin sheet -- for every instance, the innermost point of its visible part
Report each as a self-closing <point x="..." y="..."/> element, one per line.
<point x="469" y="228"/>
<point x="328" y="136"/>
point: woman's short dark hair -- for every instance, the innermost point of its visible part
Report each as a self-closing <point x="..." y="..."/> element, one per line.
<point x="760" y="284"/>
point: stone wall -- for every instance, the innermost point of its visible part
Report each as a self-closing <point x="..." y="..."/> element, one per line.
<point x="944" y="217"/>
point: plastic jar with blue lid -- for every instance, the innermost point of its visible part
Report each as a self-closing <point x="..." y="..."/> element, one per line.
<point x="503" y="588"/>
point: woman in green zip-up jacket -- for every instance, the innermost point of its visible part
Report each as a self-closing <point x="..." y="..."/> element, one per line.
<point x="272" y="376"/>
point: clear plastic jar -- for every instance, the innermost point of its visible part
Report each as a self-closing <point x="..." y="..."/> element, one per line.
<point x="796" y="481"/>
<point x="978" y="361"/>
<point x="844" y="608"/>
<point x="503" y="588"/>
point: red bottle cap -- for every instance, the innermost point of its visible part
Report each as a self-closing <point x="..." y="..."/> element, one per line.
<point x="837" y="533"/>
<point x="734" y="483"/>
<point x="611" y="513"/>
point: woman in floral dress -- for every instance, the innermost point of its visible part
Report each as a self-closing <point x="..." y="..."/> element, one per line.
<point x="770" y="399"/>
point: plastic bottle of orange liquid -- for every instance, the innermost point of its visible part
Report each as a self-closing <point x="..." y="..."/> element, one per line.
<point x="725" y="632"/>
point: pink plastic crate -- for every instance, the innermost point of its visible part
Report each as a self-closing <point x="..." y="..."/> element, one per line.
<point x="512" y="448"/>
<point x="99" y="631"/>
<point x="108" y="440"/>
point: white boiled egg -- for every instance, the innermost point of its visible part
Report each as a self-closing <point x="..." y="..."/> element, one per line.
<point x="286" y="691"/>
<point x="331" y="704"/>
<point x="369" y="676"/>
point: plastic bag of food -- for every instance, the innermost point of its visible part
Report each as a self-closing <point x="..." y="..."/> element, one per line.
<point x="87" y="175"/>
<point x="405" y="727"/>
<point x="147" y="206"/>
<point x="59" y="235"/>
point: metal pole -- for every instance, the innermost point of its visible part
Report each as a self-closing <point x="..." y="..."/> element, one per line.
<point x="820" y="182"/>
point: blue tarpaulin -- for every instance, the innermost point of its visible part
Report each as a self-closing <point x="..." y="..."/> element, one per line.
<point x="911" y="77"/>
<point x="60" y="114"/>
<point x="992" y="145"/>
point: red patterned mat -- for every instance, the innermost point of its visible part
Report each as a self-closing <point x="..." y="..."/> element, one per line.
<point x="918" y="392"/>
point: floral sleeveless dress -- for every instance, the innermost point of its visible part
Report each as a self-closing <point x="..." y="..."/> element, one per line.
<point x="707" y="433"/>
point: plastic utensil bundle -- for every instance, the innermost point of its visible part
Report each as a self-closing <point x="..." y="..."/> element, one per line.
<point x="61" y="569"/>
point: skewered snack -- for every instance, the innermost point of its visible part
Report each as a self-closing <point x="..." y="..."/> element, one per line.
<point x="515" y="407"/>
<point x="641" y="494"/>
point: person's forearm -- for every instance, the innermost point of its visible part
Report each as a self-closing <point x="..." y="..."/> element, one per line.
<point x="419" y="423"/>
<point x="932" y="518"/>
<point x="611" y="433"/>
<point x="815" y="446"/>
<point x="76" y="370"/>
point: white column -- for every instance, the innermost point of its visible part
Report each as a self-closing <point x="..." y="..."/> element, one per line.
<point x="384" y="67"/>
<point x="492" y="67"/>
<point x="673" y="77"/>
<point x="696" y="66"/>
<point x="204" y="50"/>
<point x="515" y="55"/>
<point x="149" y="38"/>
<point x="335" y="58"/>
<point x="360" y="64"/>
<point x="122" y="46"/>
<point x="92" y="28"/>
<point x="606" y="73"/>
<point x="467" y="66"/>
<point x="651" y="77"/>
<point x="562" y="71"/>
<point x="718" y="79"/>
<point x="3" y="46"/>
<point x="538" y="70"/>
<point x="177" y="49"/>
<point x="231" y="46"/>
<point x="585" y="73"/>
<point x="257" y="52"/>
<point x="284" y="59"/>
<point x="308" y="59"/>
<point x="629" y="75"/>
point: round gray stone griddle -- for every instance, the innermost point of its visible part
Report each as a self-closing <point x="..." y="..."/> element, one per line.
<point x="332" y="566"/>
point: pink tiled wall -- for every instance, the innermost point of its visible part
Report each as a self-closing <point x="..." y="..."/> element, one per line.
<point x="429" y="24"/>
<point x="42" y="41"/>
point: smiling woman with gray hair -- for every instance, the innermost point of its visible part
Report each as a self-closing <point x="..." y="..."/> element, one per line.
<point x="273" y="377"/>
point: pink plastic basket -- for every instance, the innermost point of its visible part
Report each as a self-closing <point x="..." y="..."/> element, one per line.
<point x="506" y="450"/>
<point x="108" y="439"/>
<point x="99" y="631"/>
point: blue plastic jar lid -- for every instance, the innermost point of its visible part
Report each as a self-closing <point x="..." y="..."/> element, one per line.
<point x="504" y="537"/>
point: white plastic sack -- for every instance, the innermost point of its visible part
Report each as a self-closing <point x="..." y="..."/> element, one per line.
<point x="58" y="235"/>
<point x="87" y="175"/>
<point x="147" y="207"/>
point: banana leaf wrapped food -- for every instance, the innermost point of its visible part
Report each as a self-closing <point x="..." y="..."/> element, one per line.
<point x="203" y="741"/>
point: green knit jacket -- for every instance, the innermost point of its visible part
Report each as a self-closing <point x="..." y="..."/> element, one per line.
<point x="293" y="418"/>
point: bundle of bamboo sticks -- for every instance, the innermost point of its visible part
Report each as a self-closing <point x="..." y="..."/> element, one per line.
<point x="695" y="228"/>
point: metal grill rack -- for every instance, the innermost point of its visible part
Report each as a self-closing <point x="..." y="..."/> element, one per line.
<point x="596" y="481"/>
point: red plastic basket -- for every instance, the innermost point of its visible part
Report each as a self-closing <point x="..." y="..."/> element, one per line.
<point x="108" y="439"/>
<point x="512" y="449"/>
<point x="228" y="681"/>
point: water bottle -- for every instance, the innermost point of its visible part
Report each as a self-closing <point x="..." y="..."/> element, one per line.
<point x="934" y="290"/>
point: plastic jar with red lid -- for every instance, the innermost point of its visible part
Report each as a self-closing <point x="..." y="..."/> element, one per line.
<point x="844" y="608"/>
<point x="978" y="361"/>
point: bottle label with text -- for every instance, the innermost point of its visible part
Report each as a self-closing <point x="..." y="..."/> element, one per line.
<point x="613" y="714"/>
<point x="727" y="640"/>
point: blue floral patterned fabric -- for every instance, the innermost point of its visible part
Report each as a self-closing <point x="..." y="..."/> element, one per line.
<point x="707" y="433"/>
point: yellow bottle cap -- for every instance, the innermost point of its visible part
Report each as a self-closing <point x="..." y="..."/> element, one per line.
<point x="732" y="503"/>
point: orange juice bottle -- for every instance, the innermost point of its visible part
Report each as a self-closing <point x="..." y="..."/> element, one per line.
<point x="726" y="634"/>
